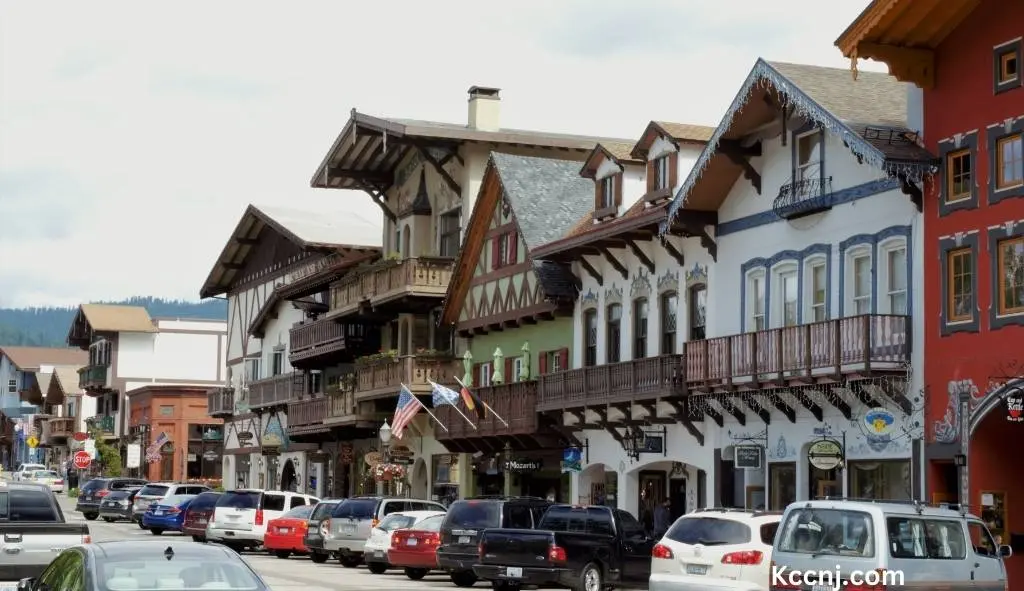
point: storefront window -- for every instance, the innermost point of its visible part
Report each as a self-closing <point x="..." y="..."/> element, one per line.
<point x="445" y="472"/>
<point x="205" y="446"/>
<point x="886" y="479"/>
<point x="242" y="466"/>
<point x="782" y="484"/>
<point x="272" y="462"/>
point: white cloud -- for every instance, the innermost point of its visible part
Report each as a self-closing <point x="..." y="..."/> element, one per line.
<point x="134" y="134"/>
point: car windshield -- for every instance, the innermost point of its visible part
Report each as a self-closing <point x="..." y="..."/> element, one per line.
<point x="239" y="499"/>
<point x="708" y="531"/>
<point x="302" y="512"/>
<point x="180" y="574"/>
<point x="396" y="521"/>
<point x="323" y="510"/>
<point x="175" y="500"/>
<point x="153" y="490"/>
<point x="118" y="494"/>
<point x="94" y="484"/>
<point x="827" y="531"/>
<point x="474" y="514"/>
<point x="430" y="523"/>
<point x="205" y="500"/>
<point x="45" y="474"/>
<point x="356" y="509"/>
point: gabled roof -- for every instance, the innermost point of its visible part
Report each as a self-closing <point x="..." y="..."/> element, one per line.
<point x="873" y="105"/>
<point x="680" y="133"/>
<point x="37" y="390"/>
<point x="117" y="318"/>
<point x="65" y="379"/>
<point x="32" y="358"/>
<point x="325" y="231"/>
<point x="618" y="152"/>
<point x="546" y="197"/>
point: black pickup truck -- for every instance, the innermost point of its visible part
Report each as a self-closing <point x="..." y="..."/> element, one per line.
<point x="582" y="548"/>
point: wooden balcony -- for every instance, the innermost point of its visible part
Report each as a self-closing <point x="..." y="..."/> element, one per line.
<point x="382" y="378"/>
<point x="93" y="377"/>
<point x="390" y="282"/>
<point x="306" y="417"/>
<point x="316" y="339"/>
<point x="220" y="402"/>
<point x="516" y="403"/>
<point x="61" y="428"/>
<point x="274" y="391"/>
<point x="775" y="358"/>
<point x="103" y="424"/>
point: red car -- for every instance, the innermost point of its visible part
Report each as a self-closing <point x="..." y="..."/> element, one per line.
<point x="415" y="550"/>
<point x="284" y="534"/>
<point x="198" y="515"/>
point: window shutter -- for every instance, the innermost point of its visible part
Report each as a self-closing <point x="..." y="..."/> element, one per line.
<point x="563" y="357"/>
<point x="542" y="363"/>
<point x="618" y="189"/>
<point x="597" y="194"/>
<point x="509" y="367"/>
<point x="494" y="253"/>
<point x="513" y="247"/>
<point x="477" y="378"/>
<point x="651" y="180"/>
<point x="673" y="170"/>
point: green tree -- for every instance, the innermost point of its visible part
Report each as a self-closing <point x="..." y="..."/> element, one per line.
<point x="108" y="456"/>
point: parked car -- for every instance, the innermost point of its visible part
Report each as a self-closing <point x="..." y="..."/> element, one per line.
<point x="285" y="534"/>
<point x="349" y="527"/>
<point x="715" y="548"/>
<point x="414" y="549"/>
<point x="466" y="521"/>
<point x="118" y="504"/>
<point x="92" y="493"/>
<point x="920" y="547"/>
<point x="167" y="514"/>
<point x="240" y="516"/>
<point x="133" y="565"/>
<point x="198" y="515"/>
<point x="577" y="547"/>
<point x="315" y="530"/>
<point x="48" y="477"/>
<point x="375" y="551"/>
<point x="31" y="526"/>
<point x="26" y="469"/>
<point x="157" y="491"/>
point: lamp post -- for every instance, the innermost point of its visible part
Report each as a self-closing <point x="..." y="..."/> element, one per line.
<point x="385" y="440"/>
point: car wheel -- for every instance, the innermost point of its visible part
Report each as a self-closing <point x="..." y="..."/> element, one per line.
<point x="156" y="531"/>
<point x="91" y="516"/>
<point x="377" y="568"/>
<point x="199" y="539"/>
<point x="590" y="579"/>
<point x="463" y="578"/>
<point x="348" y="561"/>
<point x="282" y="553"/>
<point x="109" y="519"/>
<point x="318" y="557"/>
<point x="415" y="573"/>
<point x="141" y="526"/>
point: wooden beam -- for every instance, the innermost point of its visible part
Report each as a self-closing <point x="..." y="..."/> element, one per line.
<point x="905" y="64"/>
<point x="247" y="241"/>
<point x="807" y="403"/>
<point x="907" y="187"/>
<point x="759" y="410"/>
<point x="863" y="395"/>
<point x="591" y="271"/>
<point x="737" y="414"/>
<point x="740" y="155"/>
<point x="614" y="262"/>
<point x="897" y="396"/>
<point x="784" y="408"/>
<point x="838" y="402"/>
<point x="233" y="266"/>
<point x="673" y="252"/>
<point x="378" y="197"/>
<point x="439" y="169"/>
<point x="361" y="175"/>
<point x="641" y="256"/>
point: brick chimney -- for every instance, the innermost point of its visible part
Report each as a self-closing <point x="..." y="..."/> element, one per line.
<point x="485" y="108"/>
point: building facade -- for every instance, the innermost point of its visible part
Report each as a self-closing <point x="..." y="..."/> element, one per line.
<point x="966" y="66"/>
<point x="176" y="415"/>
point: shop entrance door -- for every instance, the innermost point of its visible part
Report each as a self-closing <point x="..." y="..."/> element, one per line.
<point x="677" y="496"/>
<point x="652" y="493"/>
<point x="829" y="488"/>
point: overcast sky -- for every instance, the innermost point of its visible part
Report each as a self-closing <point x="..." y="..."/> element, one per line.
<point x="133" y="135"/>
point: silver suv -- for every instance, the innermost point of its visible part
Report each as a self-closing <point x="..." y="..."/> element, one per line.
<point x="158" y="491"/>
<point x="352" y="520"/>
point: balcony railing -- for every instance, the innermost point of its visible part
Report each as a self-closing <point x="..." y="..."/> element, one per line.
<point x="341" y="406"/>
<point x="104" y="424"/>
<point x="276" y="390"/>
<point x="62" y="427"/>
<point x="384" y="377"/>
<point x="767" y="358"/>
<point x="305" y="416"/>
<point x="392" y="280"/>
<point x="220" y="401"/>
<point x="314" y="338"/>
<point x="93" y="376"/>
<point x="803" y="197"/>
<point x="516" y="403"/>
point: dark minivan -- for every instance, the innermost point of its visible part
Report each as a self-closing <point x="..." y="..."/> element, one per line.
<point x="92" y="492"/>
<point x="465" y="522"/>
<point x="198" y="514"/>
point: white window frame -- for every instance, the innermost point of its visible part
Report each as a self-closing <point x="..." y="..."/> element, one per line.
<point x="756" y="277"/>
<point x="608" y="191"/>
<point x="555" y="362"/>
<point x="779" y="273"/>
<point x="517" y="370"/>
<point x="486" y="371"/>
<point x="885" y="250"/>
<point x="852" y="299"/>
<point x="810" y="264"/>
<point x="252" y="369"/>
<point x="277" y="362"/>
<point x="662" y="166"/>
<point x="799" y="168"/>
<point x="12" y="385"/>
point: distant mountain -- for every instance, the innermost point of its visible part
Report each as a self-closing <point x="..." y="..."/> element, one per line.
<point x="48" y="327"/>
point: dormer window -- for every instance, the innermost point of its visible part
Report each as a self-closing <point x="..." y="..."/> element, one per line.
<point x="808" y="156"/>
<point x="662" y="173"/>
<point x="607" y="192"/>
<point x="608" y="196"/>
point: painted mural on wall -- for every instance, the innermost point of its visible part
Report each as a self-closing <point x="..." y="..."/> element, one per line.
<point x="947" y="428"/>
<point x="411" y="171"/>
<point x="274" y="434"/>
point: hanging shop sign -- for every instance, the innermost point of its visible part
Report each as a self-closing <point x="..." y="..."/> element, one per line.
<point x="572" y="459"/>
<point x="747" y="457"/>
<point x="348" y="454"/>
<point x="210" y="455"/>
<point x="244" y="436"/>
<point x="400" y="454"/>
<point x="826" y="454"/>
<point x="1015" y="406"/>
<point x="523" y="465"/>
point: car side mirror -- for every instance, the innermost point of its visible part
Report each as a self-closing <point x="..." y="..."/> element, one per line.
<point x="1004" y="551"/>
<point x="26" y="584"/>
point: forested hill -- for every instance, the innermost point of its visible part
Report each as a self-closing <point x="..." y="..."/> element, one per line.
<point x="48" y="327"/>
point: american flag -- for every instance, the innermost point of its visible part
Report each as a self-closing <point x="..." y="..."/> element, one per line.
<point x="408" y="406"/>
<point x="153" y="451"/>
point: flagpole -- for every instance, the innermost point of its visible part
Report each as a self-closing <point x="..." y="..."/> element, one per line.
<point x="428" y="411"/>
<point x="487" y="406"/>
<point x="456" y="409"/>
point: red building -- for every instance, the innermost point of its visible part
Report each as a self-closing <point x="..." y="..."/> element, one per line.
<point x="965" y="57"/>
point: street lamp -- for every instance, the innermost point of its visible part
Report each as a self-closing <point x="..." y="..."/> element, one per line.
<point x="385" y="439"/>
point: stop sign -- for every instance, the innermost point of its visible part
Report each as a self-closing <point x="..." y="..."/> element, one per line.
<point x="82" y="459"/>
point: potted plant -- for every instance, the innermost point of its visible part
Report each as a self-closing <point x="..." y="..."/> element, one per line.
<point x="383" y="356"/>
<point x="387" y="472"/>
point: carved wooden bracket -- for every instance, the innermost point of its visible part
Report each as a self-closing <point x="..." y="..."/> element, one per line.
<point x="907" y="65"/>
<point x="740" y="156"/>
<point x="591" y="271"/>
<point x="614" y="262"/>
<point x="641" y="255"/>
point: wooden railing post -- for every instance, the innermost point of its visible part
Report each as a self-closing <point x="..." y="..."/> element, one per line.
<point x="806" y="334"/>
<point x="779" y="342"/>
<point x="836" y="332"/>
<point x="755" y="360"/>
<point x="866" y="330"/>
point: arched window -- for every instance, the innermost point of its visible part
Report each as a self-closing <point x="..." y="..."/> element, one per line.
<point x="640" y="309"/>
<point x="590" y="338"/>
<point x="668" y="310"/>
<point x="613" y="320"/>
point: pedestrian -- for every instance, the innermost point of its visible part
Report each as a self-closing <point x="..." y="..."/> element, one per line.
<point x="662" y="518"/>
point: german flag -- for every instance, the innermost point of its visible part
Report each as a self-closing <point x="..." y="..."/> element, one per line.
<point x="473" y="403"/>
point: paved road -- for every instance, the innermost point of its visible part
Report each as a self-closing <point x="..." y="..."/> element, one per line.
<point x="292" y="574"/>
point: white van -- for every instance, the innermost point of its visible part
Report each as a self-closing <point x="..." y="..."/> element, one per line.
<point x="240" y="516"/>
<point x="879" y="545"/>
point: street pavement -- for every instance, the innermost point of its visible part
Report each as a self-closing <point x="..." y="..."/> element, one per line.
<point x="291" y="574"/>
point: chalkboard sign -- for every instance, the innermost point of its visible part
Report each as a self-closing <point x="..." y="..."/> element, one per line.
<point x="748" y="456"/>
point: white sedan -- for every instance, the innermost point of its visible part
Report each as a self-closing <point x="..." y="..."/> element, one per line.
<point x="375" y="552"/>
<point x="48" y="477"/>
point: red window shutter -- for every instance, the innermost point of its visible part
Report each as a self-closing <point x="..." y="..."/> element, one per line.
<point x="673" y="169"/>
<point x="509" y="366"/>
<point x="513" y="247"/>
<point x="563" y="357"/>
<point x="477" y="378"/>
<point x="597" y="195"/>
<point x="618" y="189"/>
<point x="542" y="363"/>
<point x="494" y="252"/>
<point x="650" y="176"/>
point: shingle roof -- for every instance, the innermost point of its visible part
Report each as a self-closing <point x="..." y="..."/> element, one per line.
<point x="32" y="358"/>
<point x="340" y="227"/>
<point x="67" y="377"/>
<point x="687" y="131"/>
<point x="113" y="318"/>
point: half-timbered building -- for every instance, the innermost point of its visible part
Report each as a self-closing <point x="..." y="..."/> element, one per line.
<point x="804" y="377"/>
<point x="621" y="385"/>
<point x="515" y="314"/>
<point x="265" y="269"/>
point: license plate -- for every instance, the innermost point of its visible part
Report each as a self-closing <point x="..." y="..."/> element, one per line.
<point x="697" y="569"/>
<point x="201" y="521"/>
<point x="821" y="588"/>
<point x="349" y="529"/>
<point x="283" y="530"/>
<point x="411" y="542"/>
<point x="378" y="553"/>
<point x="12" y="586"/>
<point x="463" y="539"/>
<point x="158" y="512"/>
<point x="514" y="572"/>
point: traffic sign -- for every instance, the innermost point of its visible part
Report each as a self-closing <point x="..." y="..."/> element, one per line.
<point x="32" y="441"/>
<point x="80" y="436"/>
<point x="82" y="459"/>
